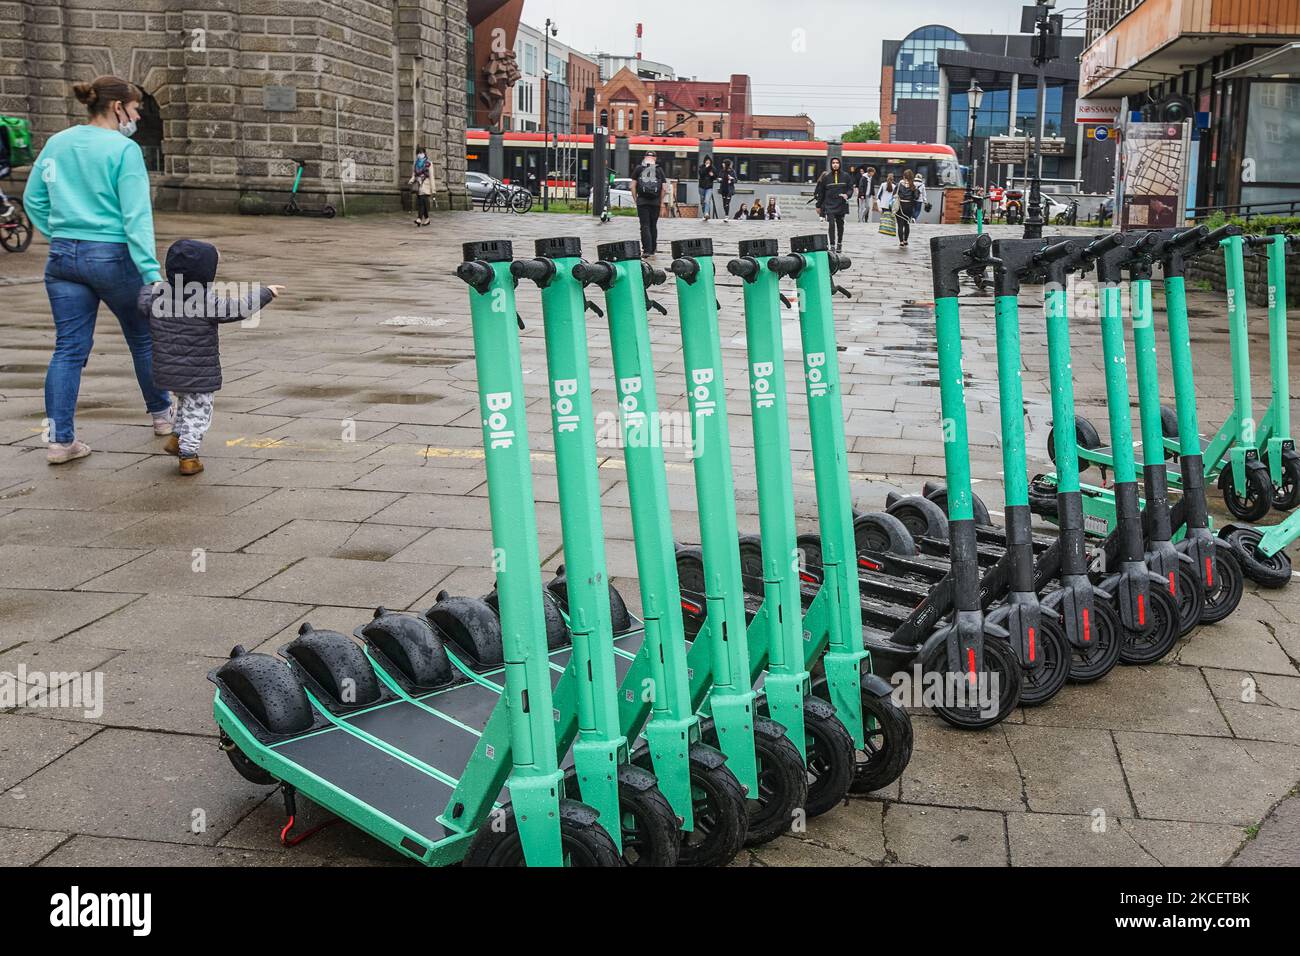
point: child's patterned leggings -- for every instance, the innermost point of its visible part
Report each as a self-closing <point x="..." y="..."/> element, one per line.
<point x="193" y="418"/>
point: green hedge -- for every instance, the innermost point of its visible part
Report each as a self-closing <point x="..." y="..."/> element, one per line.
<point x="1258" y="225"/>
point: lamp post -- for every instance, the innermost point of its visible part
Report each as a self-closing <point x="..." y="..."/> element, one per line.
<point x="1044" y="34"/>
<point x="549" y="31"/>
<point x="974" y="97"/>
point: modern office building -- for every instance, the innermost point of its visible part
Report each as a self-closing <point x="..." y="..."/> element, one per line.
<point x="924" y="82"/>
<point x="1232" y="64"/>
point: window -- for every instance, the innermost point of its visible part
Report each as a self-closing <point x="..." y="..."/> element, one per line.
<point x="604" y="118"/>
<point x="622" y="121"/>
<point x="659" y="126"/>
<point x="700" y="126"/>
<point x="916" y="67"/>
<point x="530" y="60"/>
<point x="645" y="121"/>
<point x="717" y="126"/>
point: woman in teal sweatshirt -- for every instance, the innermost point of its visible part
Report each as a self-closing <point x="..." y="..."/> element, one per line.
<point x="89" y="193"/>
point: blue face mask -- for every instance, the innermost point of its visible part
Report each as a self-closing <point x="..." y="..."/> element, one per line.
<point x="127" y="128"/>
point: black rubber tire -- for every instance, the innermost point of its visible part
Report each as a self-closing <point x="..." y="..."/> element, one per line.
<point x="999" y="662"/>
<point x="1038" y="687"/>
<point x="1087" y="667"/>
<point x="1169" y="427"/>
<point x="829" y="749"/>
<point x="619" y="617"/>
<point x="980" y="510"/>
<point x="1085" y="436"/>
<point x="584" y="840"/>
<point x="1272" y="573"/>
<point x="412" y="645"/>
<point x="1160" y="637"/>
<point x="1287" y="495"/>
<point x="887" y="745"/>
<point x="245" y="767"/>
<point x="650" y="833"/>
<point x="1222" y="598"/>
<point x="721" y="816"/>
<point x="921" y="516"/>
<point x="690" y="578"/>
<point x="1258" y="497"/>
<point x="333" y="660"/>
<point x="782" y="784"/>
<point x="269" y="691"/>
<point x="557" y="632"/>
<point x="751" y="563"/>
<point x="471" y="625"/>
<point x="879" y="531"/>
<point x="1190" y="599"/>
<point x="810" y="552"/>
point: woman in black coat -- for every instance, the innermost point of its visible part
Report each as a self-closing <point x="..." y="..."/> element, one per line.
<point x="832" y="198"/>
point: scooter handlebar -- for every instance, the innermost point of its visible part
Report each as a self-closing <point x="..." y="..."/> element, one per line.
<point x="790" y="265"/>
<point x="593" y="273"/>
<point x="743" y="268"/>
<point x="1188" y="237"/>
<point x="1056" y="251"/>
<point x="1099" y="247"/>
<point x="1223" y="232"/>
<point x="981" y="251"/>
<point x="839" y="262"/>
<point x="539" y="270"/>
<point x="475" y="272"/>
<point x="653" y="276"/>
<point x="684" y="268"/>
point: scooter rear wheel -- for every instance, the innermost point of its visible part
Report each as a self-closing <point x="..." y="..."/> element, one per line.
<point x="1222" y="598"/>
<point x="718" y="805"/>
<point x="1160" y="638"/>
<point x="1002" y="667"/>
<point x="582" y="838"/>
<point x="1287" y="495"/>
<point x="650" y="833"/>
<point x="1273" y="573"/>
<point x="1099" y="659"/>
<point x="782" y="784"/>
<point x="887" y="746"/>
<point x="1045" y="682"/>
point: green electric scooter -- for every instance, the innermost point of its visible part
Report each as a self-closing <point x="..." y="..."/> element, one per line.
<point x="437" y="713"/>
<point x="639" y="818"/>
<point x="781" y="636"/>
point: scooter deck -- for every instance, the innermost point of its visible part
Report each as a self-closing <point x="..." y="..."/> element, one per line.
<point x="402" y="756"/>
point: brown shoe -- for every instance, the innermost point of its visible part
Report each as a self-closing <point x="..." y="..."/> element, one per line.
<point x="191" y="466"/>
<point x="172" y="445"/>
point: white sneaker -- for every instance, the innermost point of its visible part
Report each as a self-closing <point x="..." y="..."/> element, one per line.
<point x="164" y="423"/>
<point x="57" y="454"/>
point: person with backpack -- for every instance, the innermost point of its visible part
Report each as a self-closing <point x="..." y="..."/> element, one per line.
<point x="89" y="193"/>
<point x="6" y="207"/>
<point x="649" y="179"/>
<point x="866" y="183"/>
<point x="832" y="197"/>
<point x="726" y="184"/>
<point x="707" y="178"/>
<point x="422" y="184"/>
<point x="911" y="194"/>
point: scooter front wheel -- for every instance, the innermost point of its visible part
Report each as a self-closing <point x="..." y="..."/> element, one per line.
<point x="782" y="784"/>
<point x="887" y="747"/>
<point x="1043" y="683"/>
<point x="1223" y="596"/>
<point x="1002" y="673"/>
<point x="583" y="840"/>
<point x="650" y="833"/>
<point x="1162" y="634"/>
<point x="1092" y="663"/>
<point x="1269" y="572"/>
<point x="718" y="805"/>
<point x="1287" y="494"/>
<point x="829" y="749"/>
<point x="1190" y="600"/>
<point x="1252" y="503"/>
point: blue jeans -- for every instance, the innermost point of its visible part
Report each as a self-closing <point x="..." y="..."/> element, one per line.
<point x="706" y="203"/>
<point x="79" y="275"/>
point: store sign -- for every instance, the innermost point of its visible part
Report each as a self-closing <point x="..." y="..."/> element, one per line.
<point x="1101" y="112"/>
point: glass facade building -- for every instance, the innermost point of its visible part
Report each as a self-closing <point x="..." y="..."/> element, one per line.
<point x="916" y="67"/>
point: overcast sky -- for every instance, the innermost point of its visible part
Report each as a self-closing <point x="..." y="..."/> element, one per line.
<point x="835" y="79"/>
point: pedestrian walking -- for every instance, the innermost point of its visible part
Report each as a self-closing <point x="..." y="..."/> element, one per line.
<point x="184" y="314"/>
<point x="911" y="194"/>
<point x="89" y="193"/>
<point x="832" y="197"/>
<point x="866" y="195"/>
<point x="422" y="183"/>
<point x="648" y="180"/>
<point x="707" y="178"/>
<point x="726" y="186"/>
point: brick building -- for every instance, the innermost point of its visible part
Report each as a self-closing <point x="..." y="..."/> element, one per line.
<point x="630" y="103"/>
<point x="236" y="91"/>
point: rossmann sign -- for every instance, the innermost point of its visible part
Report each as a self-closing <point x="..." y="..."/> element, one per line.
<point x="1096" y="112"/>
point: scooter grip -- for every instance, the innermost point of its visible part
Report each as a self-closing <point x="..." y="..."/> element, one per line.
<point x="538" y="270"/>
<point x="1099" y="247"/>
<point x="790" y="265"/>
<point x="839" y="262"/>
<point x="1189" y="237"/>
<point x="1223" y="232"/>
<point x="684" y="268"/>
<point x="476" y="273"/>
<point x="1058" y="250"/>
<point x="593" y="273"/>
<point x="653" y="276"/>
<point x="744" y="268"/>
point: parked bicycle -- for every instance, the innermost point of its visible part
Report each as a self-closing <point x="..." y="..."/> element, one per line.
<point x="15" y="228"/>
<point x="502" y="198"/>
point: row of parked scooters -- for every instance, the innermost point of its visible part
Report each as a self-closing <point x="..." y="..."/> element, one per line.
<point x="549" y="725"/>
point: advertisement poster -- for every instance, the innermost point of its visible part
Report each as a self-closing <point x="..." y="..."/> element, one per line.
<point x="1153" y="175"/>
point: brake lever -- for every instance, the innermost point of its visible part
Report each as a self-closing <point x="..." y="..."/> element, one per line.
<point x="593" y="307"/>
<point x="785" y="302"/>
<point x="841" y="290"/>
<point x="652" y="304"/>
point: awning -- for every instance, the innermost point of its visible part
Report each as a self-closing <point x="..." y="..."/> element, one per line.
<point x="1281" y="63"/>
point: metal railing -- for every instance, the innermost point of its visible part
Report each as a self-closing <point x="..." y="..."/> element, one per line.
<point x="1104" y="14"/>
<point x="1247" y="211"/>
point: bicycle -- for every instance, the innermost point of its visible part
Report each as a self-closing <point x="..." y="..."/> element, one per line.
<point x="15" y="228"/>
<point x="499" y="199"/>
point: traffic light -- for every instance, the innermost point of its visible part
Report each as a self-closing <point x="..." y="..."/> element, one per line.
<point x="1047" y="39"/>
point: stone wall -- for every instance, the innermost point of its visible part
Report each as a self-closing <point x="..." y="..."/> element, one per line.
<point x="372" y="78"/>
<point x="1210" y="268"/>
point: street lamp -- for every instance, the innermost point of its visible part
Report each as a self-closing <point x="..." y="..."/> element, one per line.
<point x="549" y="31"/>
<point x="974" y="97"/>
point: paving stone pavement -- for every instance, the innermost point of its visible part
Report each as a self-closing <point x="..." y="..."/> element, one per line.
<point x="344" y="471"/>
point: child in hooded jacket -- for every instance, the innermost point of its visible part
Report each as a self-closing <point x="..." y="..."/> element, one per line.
<point x="184" y="314"/>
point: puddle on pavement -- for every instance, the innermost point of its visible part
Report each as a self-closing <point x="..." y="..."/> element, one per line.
<point x="23" y="369"/>
<point x="427" y="360"/>
<point x="398" y="398"/>
<point x="316" y="391"/>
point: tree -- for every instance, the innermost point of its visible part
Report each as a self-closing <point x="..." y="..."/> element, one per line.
<point x="863" y="133"/>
